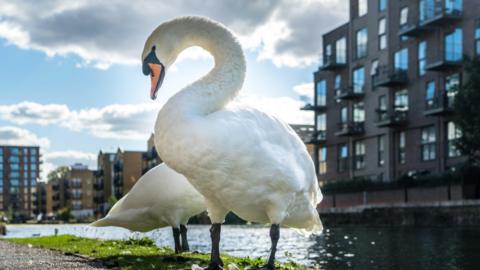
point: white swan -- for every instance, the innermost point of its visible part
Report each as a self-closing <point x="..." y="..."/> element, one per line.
<point x="238" y="158"/>
<point x="160" y="198"/>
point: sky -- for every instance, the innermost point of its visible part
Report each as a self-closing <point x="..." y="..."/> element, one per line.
<point x="71" y="80"/>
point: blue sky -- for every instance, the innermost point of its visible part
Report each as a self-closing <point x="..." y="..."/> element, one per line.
<point x="70" y="80"/>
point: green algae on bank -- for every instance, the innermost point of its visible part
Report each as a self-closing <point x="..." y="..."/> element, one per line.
<point x="138" y="253"/>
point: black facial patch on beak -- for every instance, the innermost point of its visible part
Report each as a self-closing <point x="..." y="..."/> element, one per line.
<point x="150" y="59"/>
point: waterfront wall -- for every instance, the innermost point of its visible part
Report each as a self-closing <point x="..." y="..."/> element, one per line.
<point x="452" y="213"/>
<point x="395" y="196"/>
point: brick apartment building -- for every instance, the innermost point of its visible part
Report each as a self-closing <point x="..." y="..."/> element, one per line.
<point x="19" y="171"/>
<point x="384" y="93"/>
<point x="150" y="158"/>
<point x="72" y="189"/>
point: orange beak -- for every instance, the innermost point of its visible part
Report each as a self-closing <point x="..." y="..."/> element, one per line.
<point x="155" y="76"/>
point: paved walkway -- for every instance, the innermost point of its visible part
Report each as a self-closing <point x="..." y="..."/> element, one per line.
<point x="15" y="257"/>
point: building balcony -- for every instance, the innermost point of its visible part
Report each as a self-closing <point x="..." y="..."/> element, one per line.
<point x="446" y="60"/>
<point x="98" y="185"/>
<point x="350" y="129"/>
<point x="413" y="30"/>
<point x="117" y="180"/>
<point x="118" y="166"/>
<point x="386" y="77"/>
<point x="441" y="104"/>
<point x="318" y="137"/>
<point x="310" y="107"/>
<point x="330" y="63"/>
<point x="393" y="118"/>
<point x="98" y="199"/>
<point x="98" y="173"/>
<point x="439" y="15"/>
<point x="351" y="92"/>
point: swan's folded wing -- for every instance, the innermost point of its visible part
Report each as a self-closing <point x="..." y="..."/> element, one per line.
<point x="272" y="143"/>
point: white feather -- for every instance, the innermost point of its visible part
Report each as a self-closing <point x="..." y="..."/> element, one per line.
<point x="160" y="198"/>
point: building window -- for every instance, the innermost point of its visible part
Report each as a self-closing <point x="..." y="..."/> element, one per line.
<point x="382" y="34"/>
<point x="342" y="158"/>
<point x="322" y="160"/>
<point x="328" y="53"/>
<point x="322" y="122"/>
<point x="453" y="135"/>
<point x="381" y="150"/>
<point x="374" y="68"/>
<point x="401" y="59"/>
<point x="382" y="5"/>
<point x="362" y="7"/>
<point x="477" y="38"/>
<point x="452" y="82"/>
<point x="359" y="155"/>
<point x="338" y="81"/>
<point x="321" y="93"/>
<point x="426" y="9"/>
<point x="358" y="112"/>
<point x="422" y="57"/>
<point x="401" y="100"/>
<point x="429" y="140"/>
<point x="358" y="80"/>
<point x="430" y="94"/>
<point x="403" y="16"/>
<point x="341" y="51"/>
<point x="453" y="45"/>
<point x="453" y="5"/>
<point x="344" y="115"/>
<point x="362" y="43"/>
<point x="402" y="156"/>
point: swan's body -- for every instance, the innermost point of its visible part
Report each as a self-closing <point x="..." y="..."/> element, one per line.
<point x="238" y="158"/>
<point x="160" y="198"/>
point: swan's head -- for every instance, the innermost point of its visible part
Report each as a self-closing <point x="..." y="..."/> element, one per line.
<point x="152" y="66"/>
<point x="159" y="53"/>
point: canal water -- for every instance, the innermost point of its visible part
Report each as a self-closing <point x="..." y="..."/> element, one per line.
<point x="337" y="248"/>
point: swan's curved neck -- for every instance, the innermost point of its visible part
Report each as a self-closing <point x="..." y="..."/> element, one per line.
<point x="213" y="91"/>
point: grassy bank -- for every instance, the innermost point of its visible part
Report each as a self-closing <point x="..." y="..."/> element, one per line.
<point x="136" y="253"/>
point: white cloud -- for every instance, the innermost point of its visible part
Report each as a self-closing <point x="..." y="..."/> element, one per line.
<point x="10" y="135"/>
<point x="70" y="154"/>
<point x="103" y="33"/>
<point x="117" y="121"/>
<point x="305" y="91"/>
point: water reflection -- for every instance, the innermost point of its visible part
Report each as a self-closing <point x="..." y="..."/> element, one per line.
<point x="337" y="248"/>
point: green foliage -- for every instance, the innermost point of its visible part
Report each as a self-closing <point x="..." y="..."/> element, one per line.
<point x="467" y="111"/>
<point x="138" y="253"/>
<point x="64" y="214"/>
<point x="59" y="173"/>
<point x="111" y="201"/>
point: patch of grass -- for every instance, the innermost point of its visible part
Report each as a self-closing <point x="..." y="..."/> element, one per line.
<point x="138" y="253"/>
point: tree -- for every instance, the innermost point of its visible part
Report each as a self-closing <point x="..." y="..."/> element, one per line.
<point x="467" y="111"/>
<point x="58" y="173"/>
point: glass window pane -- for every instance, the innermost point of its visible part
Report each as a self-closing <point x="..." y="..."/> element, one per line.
<point x="341" y="50"/>
<point x="382" y="5"/>
<point x="404" y="16"/>
<point x="362" y="7"/>
<point x="362" y="41"/>
<point x="321" y="93"/>
<point x="358" y="80"/>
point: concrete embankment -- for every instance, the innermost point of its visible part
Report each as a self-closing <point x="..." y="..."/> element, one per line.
<point x="465" y="213"/>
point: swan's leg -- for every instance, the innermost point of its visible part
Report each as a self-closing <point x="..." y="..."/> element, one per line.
<point x="176" y="239"/>
<point x="274" y="236"/>
<point x="216" y="262"/>
<point x="183" y="232"/>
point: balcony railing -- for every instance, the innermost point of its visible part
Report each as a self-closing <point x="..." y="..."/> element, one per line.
<point x="393" y="118"/>
<point x="441" y="104"/>
<point x="318" y="137"/>
<point x="310" y="107"/>
<point x="445" y="60"/>
<point x="330" y="63"/>
<point x="98" y="185"/>
<point x="350" y="128"/>
<point x="437" y="14"/>
<point x="387" y="77"/>
<point x="350" y="92"/>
